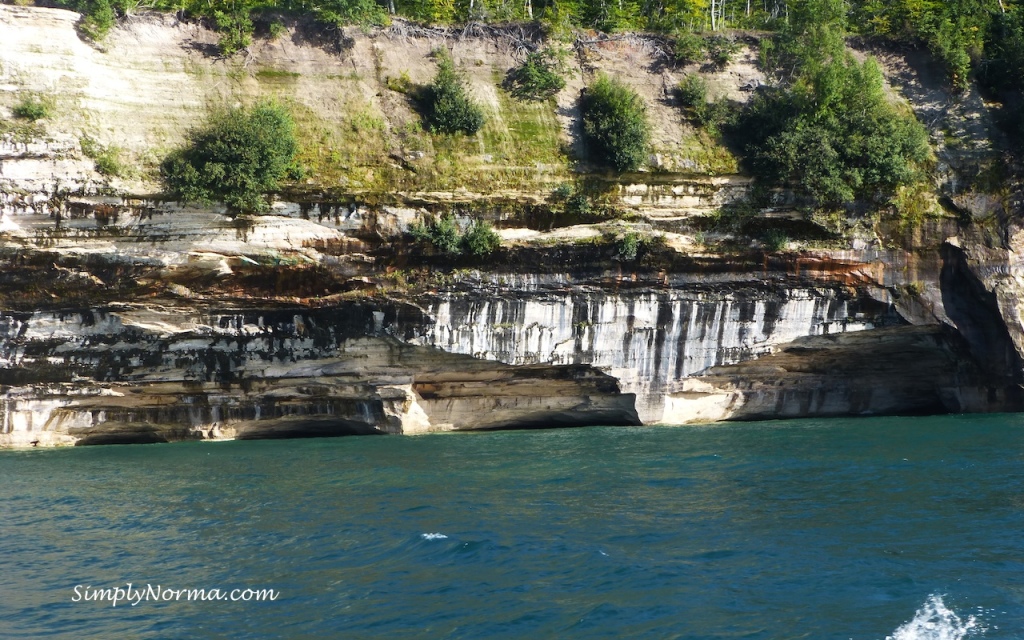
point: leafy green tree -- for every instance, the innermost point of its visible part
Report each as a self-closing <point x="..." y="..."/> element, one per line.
<point x="1002" y="71"/>
<point x="446" y="103"/>
<point x="615" y="124"/>
<point x="833" y="134"/>
<point x="954" y="30"/>
<point x="235" y="28"/>
<point x="1003" y="66"/>
<point x="238" y="156"/>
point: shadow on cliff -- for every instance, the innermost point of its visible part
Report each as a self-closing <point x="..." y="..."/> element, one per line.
<point x="975" y="313"/>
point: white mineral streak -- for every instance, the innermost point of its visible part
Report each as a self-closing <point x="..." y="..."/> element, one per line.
<point x="164" y="374"/>
<point x="650" y="341"/>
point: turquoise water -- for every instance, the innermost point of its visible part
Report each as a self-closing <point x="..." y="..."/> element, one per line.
<point x="810" y="529"/>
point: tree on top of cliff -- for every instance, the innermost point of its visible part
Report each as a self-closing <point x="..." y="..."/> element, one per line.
<point x="615" y="124"/>
<point x="237" y="156"/>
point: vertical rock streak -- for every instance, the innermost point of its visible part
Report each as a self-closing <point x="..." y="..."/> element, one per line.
<point x="650" y="341"/>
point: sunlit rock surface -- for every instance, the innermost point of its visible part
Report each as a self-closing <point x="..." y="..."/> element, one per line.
<point x="146" y="375"/>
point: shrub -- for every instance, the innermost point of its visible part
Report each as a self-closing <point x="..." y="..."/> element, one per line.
<point x="721" y="50"/>
<point x="539" y="77"/>
<point x="365" y="13"/>
<point x="776" y="240"/>
<point x="480" y="239"/>
<point x="443" y="234"/>
<point x="693" y="91"/>
<point x="833" y="134"/>
<point x="109" y="162"/>
<point x="107" y="159"/>
<point x="401" y="84"/>
<point x="237" y="156"/>
<point x="715" y="116"/>
<point x="98" y="17"/>
<point x="562" y="192"/>
<point x="615" y="124"/>
<point x="275" y="30"/>
<point x="689" y="48"/>
<point x="629" y="246"/>
<point x="913" y="203"/>
<point x="579" y="206"/>
<point x="447" y="107"/>
<point x="34" y="108"/>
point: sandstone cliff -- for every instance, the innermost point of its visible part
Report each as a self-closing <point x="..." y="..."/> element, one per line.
<point x="128" y="318"/>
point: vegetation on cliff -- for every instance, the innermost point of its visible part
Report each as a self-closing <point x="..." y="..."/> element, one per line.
<point x="447" y="107"/>
<point x="967" y="36"/>
<point x="540" y="76"/>
<point x="827" y="126"/>
<point x="443" y="234"/>
<point x="32" y="108"/>
<point x="615" y="124"/>
<point x="237" y="157"/>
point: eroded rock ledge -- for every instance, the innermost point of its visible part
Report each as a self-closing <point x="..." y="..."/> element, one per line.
<point x="146" y="375"/>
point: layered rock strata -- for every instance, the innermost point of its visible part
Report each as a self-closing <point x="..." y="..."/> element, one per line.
<point x="140" y="374"/>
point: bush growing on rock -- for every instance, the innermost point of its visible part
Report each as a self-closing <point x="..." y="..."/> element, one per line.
<point x="446" y="236"/>
<point x="693" y="91"/>
<point x="690" y="47"/>
<point x="721" y="50"/>
<point x="238" y="156"/>
<point x="107" y="159"/>
<point x="540" y="76"/>
<point x="776" y="240"/>
<point x="33" y="108"/>
<point x="628" y="246"/>
<point x="713" y="115"/>
<point x="615" y="124"/>
<point x="447" y="107"/>
<point x="479" y="240"/>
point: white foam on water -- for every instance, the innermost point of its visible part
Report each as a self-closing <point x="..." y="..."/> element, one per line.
<point x="434" y="536"/>
<point x="935" y="621"/>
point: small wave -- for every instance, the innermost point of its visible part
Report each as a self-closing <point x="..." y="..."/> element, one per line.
<point x="433" y="536"/>
<point x="935" y="621"/>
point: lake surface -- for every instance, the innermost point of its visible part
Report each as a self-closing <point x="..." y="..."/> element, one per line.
<point x="870" y="528"/>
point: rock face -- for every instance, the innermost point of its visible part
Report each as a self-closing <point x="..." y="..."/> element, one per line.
<point x="650" y="340"/>
<point x="894" y="371"/>
<point x="124" y="318"/>
<point x="155" y="375"/>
